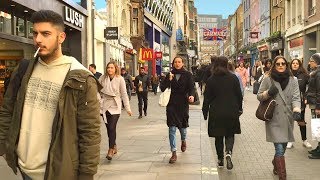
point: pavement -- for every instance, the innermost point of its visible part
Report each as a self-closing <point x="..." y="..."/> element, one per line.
<point x="144" y="151"/>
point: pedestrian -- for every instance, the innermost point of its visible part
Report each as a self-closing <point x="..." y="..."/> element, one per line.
<point x="128" y="80"/>
<point x="208" y="69"/>
<point x="92" y="68"/>
<point x="248" y="67"/>
<point x="243" y="74"/>
<point x="231" y="68"/>
<point x="267" y="66"/>
<point x="257" y="70"/>
<point x="284" y="88"/>
<point x="313" y="96"/>
<point x="141" y="84"/>
<point x="302" y="75"/>
<point x="113" y="91"/>
<point x="155" y="83"/>
<point x="52" y="131"/>
<point x="182" y="92"/>
<point x="223" y="103"/>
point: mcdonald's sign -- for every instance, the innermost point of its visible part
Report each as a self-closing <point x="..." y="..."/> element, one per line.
<point x="147" y="54"/>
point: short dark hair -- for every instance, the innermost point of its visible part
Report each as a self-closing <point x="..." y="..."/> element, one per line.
<point x="123" y="69"/>
<point x="93" y="66"/>
<point x="48" y="16"/>
<point x="142" y="68"/>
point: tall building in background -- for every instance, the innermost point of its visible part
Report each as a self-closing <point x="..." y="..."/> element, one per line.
<point x="209" y="47"/>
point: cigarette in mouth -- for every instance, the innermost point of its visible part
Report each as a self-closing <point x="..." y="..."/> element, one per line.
<point x="36" y="53"/>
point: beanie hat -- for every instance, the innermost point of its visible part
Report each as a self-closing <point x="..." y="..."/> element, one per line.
<point x="316" y="58"/>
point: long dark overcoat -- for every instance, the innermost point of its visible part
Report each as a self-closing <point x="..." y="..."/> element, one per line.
<point x="223" y="101"/>
<point x="178" y="106"/>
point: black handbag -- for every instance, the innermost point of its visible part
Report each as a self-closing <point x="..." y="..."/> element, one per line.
<point x="266" y="108"/>
<point x="256" y="86"/>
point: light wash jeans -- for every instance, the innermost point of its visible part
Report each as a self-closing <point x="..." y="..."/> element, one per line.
<point x="280" y="149"/>
<point x="172" y="136"/>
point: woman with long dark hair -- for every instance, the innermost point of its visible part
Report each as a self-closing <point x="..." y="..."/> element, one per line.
<point x="182" y="92"/>
<point x="223" y="103"/>
<point x="302" y="75"/>
<point x="283" y="87"/>
<point x="113" y="91"/>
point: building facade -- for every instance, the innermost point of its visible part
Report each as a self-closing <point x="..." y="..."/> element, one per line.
<point x="294" y="25"/>
<point x="158" y="25"/>
<point x="16" y="30"/>
<point x="311" y="29"/>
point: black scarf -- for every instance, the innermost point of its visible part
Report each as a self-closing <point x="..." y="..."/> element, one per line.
<point x="178" y="71"/>
<point x="281" y="77"/>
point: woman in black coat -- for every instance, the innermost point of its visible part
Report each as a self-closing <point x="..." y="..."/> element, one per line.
<point x="223" y="102"/>
<point x="302" y="75"/>
<point x="182" y="90"/>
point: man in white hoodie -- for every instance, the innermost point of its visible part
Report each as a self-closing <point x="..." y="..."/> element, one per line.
<point x="52" y="129"/>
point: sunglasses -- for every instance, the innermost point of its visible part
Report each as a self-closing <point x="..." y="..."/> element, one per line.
<point x="281" y="64"/>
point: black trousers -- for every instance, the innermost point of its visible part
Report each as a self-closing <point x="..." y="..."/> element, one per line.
<point x="229" y="142"/>
<point x="303" y="129"/>
<point x="142" y="96"/>
<point x="112" y="120"/>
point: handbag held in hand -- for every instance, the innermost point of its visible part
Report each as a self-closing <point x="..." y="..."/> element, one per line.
<point x="266" y="108"/>
<point x="165" y="97"/>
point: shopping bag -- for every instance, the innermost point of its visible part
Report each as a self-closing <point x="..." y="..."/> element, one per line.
<point x="165" y="97"/>
<point x="315" y="129"/>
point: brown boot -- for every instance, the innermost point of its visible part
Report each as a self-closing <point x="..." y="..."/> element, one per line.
<point x="173" y="158"/>
<point x="115" y="150"/>
<point x="183" y="146"/>
<point x="274" y="167"/>
<point x="110" y="154"/>
<point x="281" y="167"/>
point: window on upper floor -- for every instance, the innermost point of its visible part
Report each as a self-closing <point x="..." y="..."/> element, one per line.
<point x="312" y="7"/>
<point x="82" y="3"/>
<point x="135" y="12"/>
<point x="135" y="26"/>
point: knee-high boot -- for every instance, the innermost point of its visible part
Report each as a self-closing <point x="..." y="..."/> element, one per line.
<point x="281" y="167"/>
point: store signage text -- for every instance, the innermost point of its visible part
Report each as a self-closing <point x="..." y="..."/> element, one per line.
<point x="147" y="54"/>
<point x="296" y="42"/>
<point x="73" y="17"/>
<point x="111" y="33"/>
<point x="158" y="55"/>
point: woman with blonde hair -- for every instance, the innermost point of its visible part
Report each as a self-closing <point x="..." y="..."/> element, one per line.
<point x="113" y="91"/>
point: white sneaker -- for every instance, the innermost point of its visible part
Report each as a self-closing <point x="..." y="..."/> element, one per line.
<point x="289" y="145"/>
<point x="306" y="144"/>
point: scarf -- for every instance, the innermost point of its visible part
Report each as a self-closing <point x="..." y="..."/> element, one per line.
<point x="107" y="88"/>
<point x="178" y="71"/>
<point x="281" y="77"/>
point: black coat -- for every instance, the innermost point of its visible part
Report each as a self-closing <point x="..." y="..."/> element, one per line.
<point x="303" y="81"/>
<point x="178" y="106"/>
<point x="223" y="102"/>
<point x="313" y="92"/>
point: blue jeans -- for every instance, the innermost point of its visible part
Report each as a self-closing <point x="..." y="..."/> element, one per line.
<point x="172" y="136"/>
<point x="280" y="149"/>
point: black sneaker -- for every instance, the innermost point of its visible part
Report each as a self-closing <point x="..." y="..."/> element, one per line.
<point x="229" y="162"/>
<point x="140" y="116"/>
<point x="314" y="156"/>
<point x="145" y="113"/>
<point x="314" y="150"/>
<point x="220" y="163"/>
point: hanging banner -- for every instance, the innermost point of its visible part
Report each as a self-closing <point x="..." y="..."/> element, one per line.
<point x="254" y="35"/>
<point x="158" y="55"/>
<point x="212" y="34"/>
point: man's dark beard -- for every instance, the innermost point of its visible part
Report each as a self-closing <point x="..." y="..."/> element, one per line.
<point x="44" y="57"/>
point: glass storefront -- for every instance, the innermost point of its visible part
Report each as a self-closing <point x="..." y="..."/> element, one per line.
<point x="165" y="49"/>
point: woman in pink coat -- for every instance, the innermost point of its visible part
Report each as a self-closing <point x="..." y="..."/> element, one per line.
<point x="243" y="74"/>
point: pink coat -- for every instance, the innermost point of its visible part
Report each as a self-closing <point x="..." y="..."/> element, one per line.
<point x="243" y="74"/>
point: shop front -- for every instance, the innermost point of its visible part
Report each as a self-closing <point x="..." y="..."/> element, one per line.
<point x="16" y="31"/>
<point x="295" y="49"/>
<point x="263" y="51"/>
<point x="277" y="48"/>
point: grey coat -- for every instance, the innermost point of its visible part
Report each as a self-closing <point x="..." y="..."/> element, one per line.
<point x="280" y="128"/>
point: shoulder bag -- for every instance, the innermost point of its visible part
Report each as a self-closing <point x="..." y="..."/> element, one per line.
<point x="266" y="108"/>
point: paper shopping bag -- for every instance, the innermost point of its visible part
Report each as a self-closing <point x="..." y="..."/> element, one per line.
<point x="315" y="129"/>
